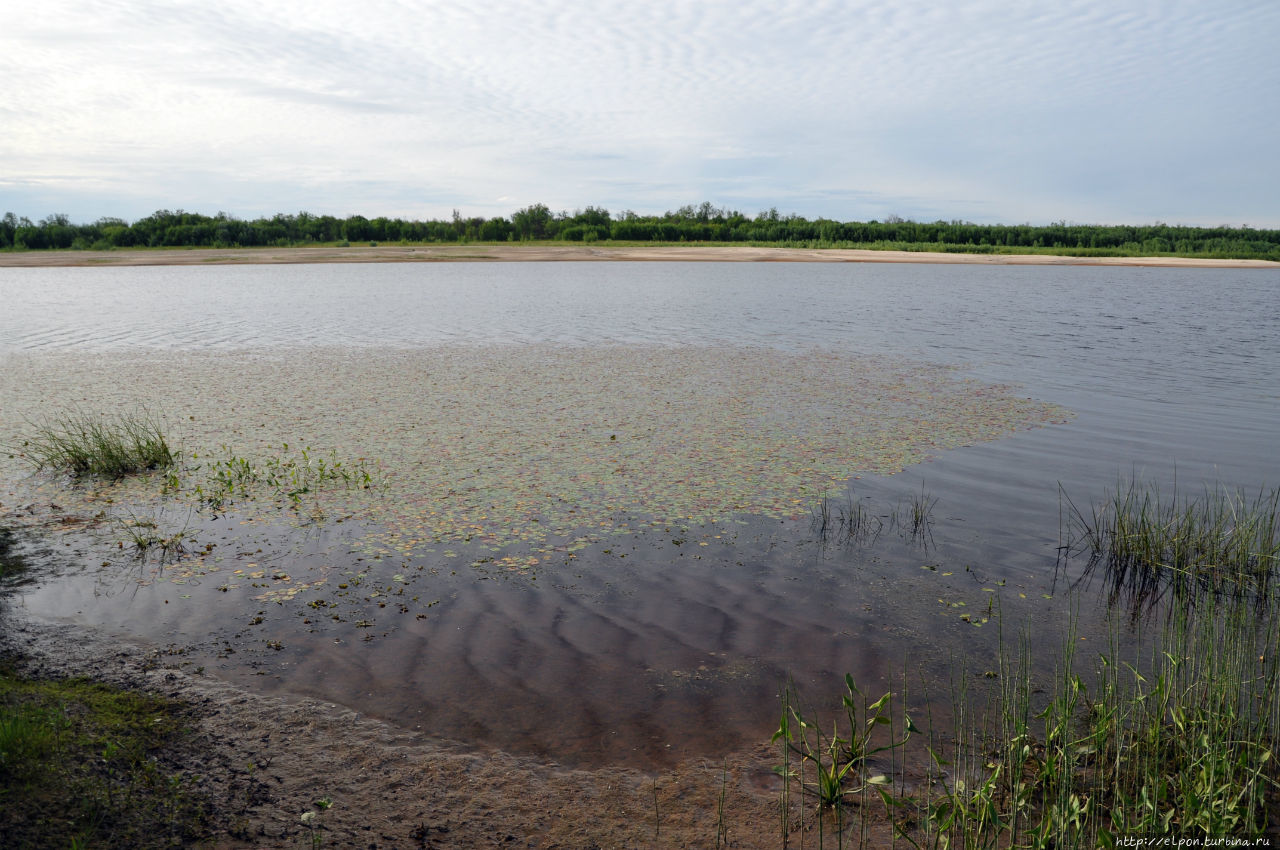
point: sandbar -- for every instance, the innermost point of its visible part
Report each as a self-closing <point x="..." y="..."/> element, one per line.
<point x="534" y="252"/>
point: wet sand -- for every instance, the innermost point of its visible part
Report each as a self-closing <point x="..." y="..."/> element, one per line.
<point x="575" y="253"/>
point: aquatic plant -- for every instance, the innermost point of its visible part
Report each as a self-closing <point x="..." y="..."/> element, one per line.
<point x="86" y="445"/>
<point x="837" y="762"/>
<point x="1176" y="739"/>
<point x="144" y="534"/>
<point x="1221" y="541"/>
<point x="1172" y="735"/>
<point x="1172" y="730"/>
<point x="919" y="516"/>
<point x="281" y="475"/>
<point x="850" y="522"/>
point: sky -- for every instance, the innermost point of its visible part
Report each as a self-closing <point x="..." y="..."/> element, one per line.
<point x="1088" y="111"/>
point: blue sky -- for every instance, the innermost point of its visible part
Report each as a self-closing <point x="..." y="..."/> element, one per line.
<point x="1093" y="112"/>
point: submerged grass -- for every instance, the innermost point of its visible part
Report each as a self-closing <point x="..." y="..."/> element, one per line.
<point x="11" y="563"/>
<point x="85" y="445"/>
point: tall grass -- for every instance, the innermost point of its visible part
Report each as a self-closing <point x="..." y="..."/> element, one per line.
<point x="1220" y="541"/>
<point x="86" y="445"/>
<point x="1174" y="738"/>
<point x="1171" y="729"/>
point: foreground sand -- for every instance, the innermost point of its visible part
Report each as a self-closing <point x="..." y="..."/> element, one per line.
<point x="544" y="253"/>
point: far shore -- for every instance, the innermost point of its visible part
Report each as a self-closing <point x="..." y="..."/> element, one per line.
<point x="534" y="252"/>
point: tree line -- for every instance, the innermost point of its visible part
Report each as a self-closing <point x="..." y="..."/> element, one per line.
<point x="704" y="223"/>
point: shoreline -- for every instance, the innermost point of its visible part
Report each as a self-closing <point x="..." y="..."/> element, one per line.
<point x="574" y="253"/>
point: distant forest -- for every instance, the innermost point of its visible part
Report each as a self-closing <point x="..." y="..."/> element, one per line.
<point x="700" y="224"/>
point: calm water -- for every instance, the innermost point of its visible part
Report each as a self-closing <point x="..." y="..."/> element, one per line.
<point x="1172" y="374"/>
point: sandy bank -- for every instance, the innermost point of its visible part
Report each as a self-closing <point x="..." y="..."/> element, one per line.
<point x="575" y="253"/>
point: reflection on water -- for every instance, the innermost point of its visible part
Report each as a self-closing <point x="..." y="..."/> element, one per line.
<point x="644" y="645"/>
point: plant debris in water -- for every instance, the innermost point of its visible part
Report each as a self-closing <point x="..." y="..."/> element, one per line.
<point x="535" y="451"/>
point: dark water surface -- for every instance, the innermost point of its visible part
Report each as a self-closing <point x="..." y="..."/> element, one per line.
<point x="678" y="649"/>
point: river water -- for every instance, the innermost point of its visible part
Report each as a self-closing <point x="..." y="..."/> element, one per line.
<point x="668" y="635"/>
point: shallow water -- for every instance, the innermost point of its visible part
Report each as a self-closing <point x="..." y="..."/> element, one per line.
<point x="678" y="648"/>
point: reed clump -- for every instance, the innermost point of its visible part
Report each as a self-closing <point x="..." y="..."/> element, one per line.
<point x="104" y="446"/>
<point x="855" y="521"/>
<point x="1171" y="729"/>
<point x="1221" y="541"/>
<point x="1176" y="738"/>
<point x="848" y="522"/>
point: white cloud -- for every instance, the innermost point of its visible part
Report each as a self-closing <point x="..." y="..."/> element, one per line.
<point x="985" y="110"/>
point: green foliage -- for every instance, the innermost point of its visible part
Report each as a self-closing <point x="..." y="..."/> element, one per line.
<point x="832" y="770"/>
<point x="285" y="475"/>
<point x="111" y="447"/>
<point x="702" y="224"/>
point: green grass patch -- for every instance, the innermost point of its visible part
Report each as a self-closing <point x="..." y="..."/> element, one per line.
<point x="105" y="446"/>
<point x="83" y="765"/>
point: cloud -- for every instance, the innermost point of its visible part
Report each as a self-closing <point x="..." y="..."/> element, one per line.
<point x="1008" y="111"/>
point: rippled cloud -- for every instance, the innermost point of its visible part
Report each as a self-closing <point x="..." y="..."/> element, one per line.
<point x="989" y="111"/>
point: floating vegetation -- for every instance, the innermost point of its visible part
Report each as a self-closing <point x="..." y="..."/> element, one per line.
<point x="529" y="453"/>
<point x="83" y="444"/>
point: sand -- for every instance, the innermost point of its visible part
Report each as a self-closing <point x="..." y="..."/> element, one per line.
<point x="575" y="253"/>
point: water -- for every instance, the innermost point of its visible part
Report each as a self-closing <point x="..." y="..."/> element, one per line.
<point x="676" y="650"/>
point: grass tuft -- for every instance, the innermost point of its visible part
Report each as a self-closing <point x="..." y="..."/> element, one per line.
<point x="1220" y="541"/>
<point x="85" y="445"/>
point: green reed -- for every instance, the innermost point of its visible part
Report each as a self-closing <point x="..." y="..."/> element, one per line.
<point x="1221" y="541"/>
<point x="107" y="446"/>
<point x="1174" y="738"/>
<point x="1171" y="728"/>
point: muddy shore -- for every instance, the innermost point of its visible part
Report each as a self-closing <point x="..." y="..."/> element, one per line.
<point x="574" y="253"/>
<point x="261" y="762"/>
